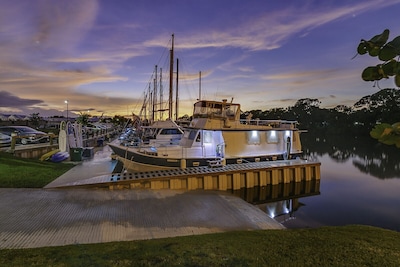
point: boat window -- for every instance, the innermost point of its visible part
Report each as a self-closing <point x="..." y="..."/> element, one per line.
<point x="192" y="135"/>
<point x="207" y="137"/>
<point x="272" y="137"/>
<point x="170" y="131"/>
<point x="253" y="137"/>
<point x="231" y="111"/>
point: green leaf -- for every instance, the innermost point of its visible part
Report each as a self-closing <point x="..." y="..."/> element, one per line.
<point x="380" y="39"/>
<point x="390" y="50"/>
<point x="396" y="44"/>
<point x="389" y="68"/>
<point x="362" y="47"/>
<point x="379" y="129"/>
<point x="387" y="52"/>
<point x="387" y="134"/>
<point x="373" y="50"/>
<point x="371" y="74"/>
<point x="396" y="127"/>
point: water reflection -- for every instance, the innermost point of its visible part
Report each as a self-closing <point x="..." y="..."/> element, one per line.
<point x="366" y="154"/>
<point x="279" y="201"/>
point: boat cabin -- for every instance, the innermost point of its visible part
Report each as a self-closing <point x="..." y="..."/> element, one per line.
<point x="216" y="109"/>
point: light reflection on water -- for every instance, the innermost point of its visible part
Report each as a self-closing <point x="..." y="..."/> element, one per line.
<point x="360" y="184"/>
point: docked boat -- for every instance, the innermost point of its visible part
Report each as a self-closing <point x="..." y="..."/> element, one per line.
<point x="158" y="133"/>
<point x="216" y="136"/>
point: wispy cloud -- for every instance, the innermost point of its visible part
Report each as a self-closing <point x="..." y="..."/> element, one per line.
<point x="270" y="29"/>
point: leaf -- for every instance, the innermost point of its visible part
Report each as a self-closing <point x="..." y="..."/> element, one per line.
<point x="387" y="52"/>
<point x="378" y="130"/>
<point x="362" y="47"/>
<point x="396" y="44"/>
<point x="387" y="134"/>
<point x="388" y="139"/>
<point x="371" y="74"/>
<point x="387" y="131"/>
<point x="374" y="50"/>
<point x="396" y="127"/>
<point x="397" y="80"/>
<point x="380" y="39"/>
<point x="389" y="68"/>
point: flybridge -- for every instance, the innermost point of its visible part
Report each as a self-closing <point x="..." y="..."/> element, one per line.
<point x="210" y="114"/>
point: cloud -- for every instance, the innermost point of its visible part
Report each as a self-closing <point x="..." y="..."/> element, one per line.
<point x="271" y="29"/>
<point x="9" y="100"/>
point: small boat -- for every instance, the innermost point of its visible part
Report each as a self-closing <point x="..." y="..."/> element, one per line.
<point x="59" y="156"/>
<point x="216" y="136"/>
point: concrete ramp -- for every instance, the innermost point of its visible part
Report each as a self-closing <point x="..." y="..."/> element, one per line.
<point x="55" y="217"/>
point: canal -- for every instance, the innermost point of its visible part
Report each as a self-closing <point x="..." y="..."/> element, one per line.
<point x="360" y="184"/>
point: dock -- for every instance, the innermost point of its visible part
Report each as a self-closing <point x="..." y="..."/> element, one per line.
<point x="223" y="178"/>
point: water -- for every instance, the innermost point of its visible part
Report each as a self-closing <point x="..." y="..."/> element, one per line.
<point x="360" y="184"/>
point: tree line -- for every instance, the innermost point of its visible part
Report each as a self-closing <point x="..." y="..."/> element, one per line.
<point x="358" y="119"/>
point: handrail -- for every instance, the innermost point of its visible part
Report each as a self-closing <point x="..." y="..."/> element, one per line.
<point x="272" y="123"/>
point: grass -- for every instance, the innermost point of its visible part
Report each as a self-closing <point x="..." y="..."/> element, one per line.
<point x="28" y="173"/>
<point x="352" y="245"/>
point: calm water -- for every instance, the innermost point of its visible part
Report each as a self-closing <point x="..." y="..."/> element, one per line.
<point x="360" y="184"/>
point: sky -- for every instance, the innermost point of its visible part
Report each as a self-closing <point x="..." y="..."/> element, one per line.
<point x="100" y="55"/>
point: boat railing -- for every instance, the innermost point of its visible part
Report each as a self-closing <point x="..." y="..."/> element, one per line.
<point x="282" y="124"/>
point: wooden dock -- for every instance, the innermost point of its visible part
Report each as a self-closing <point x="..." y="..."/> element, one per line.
<point x="229" y="177"/>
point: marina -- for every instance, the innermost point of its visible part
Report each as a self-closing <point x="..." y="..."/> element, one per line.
<point x="91" y="204"/>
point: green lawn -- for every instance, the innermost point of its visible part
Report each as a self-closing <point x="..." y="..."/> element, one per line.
<point x="327" y="246"/>
<point x="28" y="173"/>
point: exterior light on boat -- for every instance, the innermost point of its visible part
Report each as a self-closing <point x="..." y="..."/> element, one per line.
<point x="272" y="137"/>
<point x="253" y="137"/>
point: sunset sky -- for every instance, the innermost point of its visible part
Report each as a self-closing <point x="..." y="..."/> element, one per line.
<point x="100" y="55"/>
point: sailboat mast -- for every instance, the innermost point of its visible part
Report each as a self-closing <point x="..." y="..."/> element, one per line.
<point x="171" y="75"/>
<point x="176" y="99"/>
<point x="154" y="106"/>
<point x="199" y="85"/>
<point x="161" y="97"/>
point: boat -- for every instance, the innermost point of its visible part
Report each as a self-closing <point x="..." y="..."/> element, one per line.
<point x="149" y="127"/>
<point x="158" y="133"/>
<point x="216" y="136"/>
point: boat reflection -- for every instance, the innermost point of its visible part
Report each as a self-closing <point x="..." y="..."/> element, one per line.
<point x="279" y="201"/>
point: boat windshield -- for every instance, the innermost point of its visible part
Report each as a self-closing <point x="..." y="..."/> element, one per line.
<point x="215" y="108"/>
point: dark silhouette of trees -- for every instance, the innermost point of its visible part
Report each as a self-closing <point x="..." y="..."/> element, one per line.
<point x="356" y="120"/>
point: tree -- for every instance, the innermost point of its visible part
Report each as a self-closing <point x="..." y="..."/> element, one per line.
<point x="378" y="46"/>
<point x="83" y="118"/>
<point x="35" y="119"/>
<point x="119" y="120"/>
